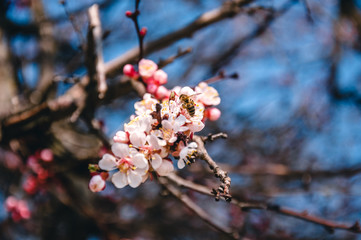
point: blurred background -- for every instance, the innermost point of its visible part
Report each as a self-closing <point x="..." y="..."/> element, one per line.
<point x="293" y="118"/>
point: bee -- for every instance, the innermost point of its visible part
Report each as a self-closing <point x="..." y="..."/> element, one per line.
<point x="188" y="103"/>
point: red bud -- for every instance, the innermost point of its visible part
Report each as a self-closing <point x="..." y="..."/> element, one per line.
<point x="143" y="31"/>
<point x="128" y="13"/>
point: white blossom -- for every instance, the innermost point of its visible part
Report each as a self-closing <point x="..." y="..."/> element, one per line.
<point x="207" y="95"/>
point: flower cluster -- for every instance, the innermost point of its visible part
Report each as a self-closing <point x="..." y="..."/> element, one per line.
<point x="17" y="208"/>
<point x="163" y="126"/>
<point x="37" y="167"/>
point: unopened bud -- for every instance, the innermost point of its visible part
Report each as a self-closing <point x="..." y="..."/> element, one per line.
<point x="128" y="13"/>
<point x="143" y="31"/>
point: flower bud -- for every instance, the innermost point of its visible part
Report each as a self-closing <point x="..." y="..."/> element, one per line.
<point x="160" y="77"/>
<point x="152" y="88"/>
<point x="96" y="184"/>
<point x="162" y="92"/>
<point x="143" y="31"/>
<point x="30" y="185"/>
<point x="129" y="71"/>
<point x="213" y="113"/>
<point x="46" y="155"/>
<point x="128" y="13"/>
<point x="11" y="203"/>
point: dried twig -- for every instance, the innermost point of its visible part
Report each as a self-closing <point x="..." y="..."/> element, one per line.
<point x="224" y="189"/>
<point x="164" y="62"/>
<point x="227" y="10"/>
<point x="140" y="32"/>
<point x="196" y="209"/>
<point x="221" y="76"/>
<point x="211" y="137"/>
<point x="305" y="216"/>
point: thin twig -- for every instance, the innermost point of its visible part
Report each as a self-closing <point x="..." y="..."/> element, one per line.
<point x="227" y="10"/>
<point x="197" y="209"/>
<point x="76" y="29"/>
<point x="221" y="76"/>
<point x="134" y="17"/>
<point x="211" y="137"/>
<point x="164" y="62"/>
<point x="305" y="216"/>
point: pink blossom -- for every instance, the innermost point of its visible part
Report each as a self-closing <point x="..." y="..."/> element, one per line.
<point x="11" y="203"/>
<point x="23" y="209"/>
<point x="18" y="208"/>
<point x="46" y="155"/>
<point x="160" y="77"/>
<point x="33" y="163"/>
<point x="96" y="183"/>
<point x="208" y="95"/>
<point x="147" y="68"/>
<point x="213" y="114"/>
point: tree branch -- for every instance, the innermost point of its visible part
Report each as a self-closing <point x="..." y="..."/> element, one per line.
<point x="305" y="216"/>
<point x="224" y="189"/>
<point x="227" y="10"/>
<point x="196" y="209"/>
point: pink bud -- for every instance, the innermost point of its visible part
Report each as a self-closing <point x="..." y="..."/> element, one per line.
<point x="30" y="185"/>
<point x="129" y="71"/>
<point x="11" y="203"/>
<point x="128" y="13"/>
<point x="96" y="184"/>
<point x="147" y="68"/>
<point x="149" y="80"/>
<point x="162" y="92"/>
<point x="23" y="209"/>
<point x="46" y="155"/>
<point x="212" y="113"/>
<point x="152" y="88"/>
<point x="160" y="77"/>
<point x="143" y="31"/>
<point x="15" y="215"/>
<point x="121" y="137"/>
<point x="43" y="174"/>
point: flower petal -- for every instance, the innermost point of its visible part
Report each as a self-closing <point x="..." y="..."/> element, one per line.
<point x="183" y="153"/>
<point x="119" y="179"/>
<point x="156" y="161"/>
<point x="134" y="179"/>
<point x="180" y="164"/>
<point x="120" y="150"/>
<point x="153" y="141"/>
<point x="166" y="124"/>
<point x="165" y="168"/>
<point x="196" y="126"/>
<point x="108" y="162"/>
<point x="137" y="139"/>
<point x="181" y="120"/>
<point x="139" y="161"/>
